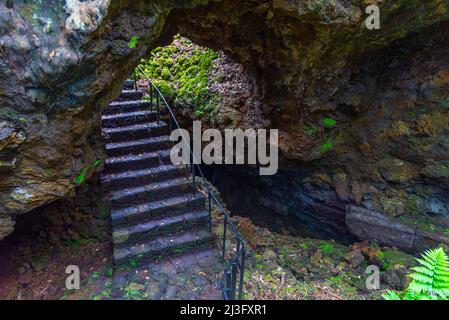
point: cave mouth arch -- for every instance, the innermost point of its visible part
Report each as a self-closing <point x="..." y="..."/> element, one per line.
<point x="51" y="99"/>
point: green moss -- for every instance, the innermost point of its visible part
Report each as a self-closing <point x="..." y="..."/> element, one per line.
<point x="337" y="280"/>
<point x="326" y="247"/>
<point x="180" y="71"/>
<point x="392" y="257"/>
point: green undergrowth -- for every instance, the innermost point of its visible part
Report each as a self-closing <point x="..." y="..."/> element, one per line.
<point x="430" y="280"/>
<point x="180" y="71"/>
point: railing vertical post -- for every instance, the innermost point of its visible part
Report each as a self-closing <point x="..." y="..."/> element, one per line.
<point x="170" y="127"/>
<point x="228" y="285"/>
<point x="242" y="272"/>
<point x="135" y="80"/>
<point x="157" y="107"/>
<point x="224" y="237"/>
<point x="210" y="209"/>
<point x="151" y="98"/>
<point x="233" y="279"/>
<point x="193" y="174"/>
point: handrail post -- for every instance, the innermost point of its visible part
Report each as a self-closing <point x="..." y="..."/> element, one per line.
<point x="228" y="285"/>
<point x="210" y="209"/>
<point x="242" y="272"/>
<point x="233" y="279"/>
<point x="194" y="176"/>
<point x="225" y="226"/>
<point x="157" y="108"/>
<point x="151" y="98"/>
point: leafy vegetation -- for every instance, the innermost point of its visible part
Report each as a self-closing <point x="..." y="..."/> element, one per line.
<point x="326" y="247"/>
<point x="329" y="122"/>
<point x="132" y="44"/>
<point x="327" y="145"/>
<point x="430" y="281"/>
<point x="81" y="177"/>
<point x="180" y="71"/>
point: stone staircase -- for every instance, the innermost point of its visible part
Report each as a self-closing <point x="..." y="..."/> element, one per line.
<point x="155" y="209"/>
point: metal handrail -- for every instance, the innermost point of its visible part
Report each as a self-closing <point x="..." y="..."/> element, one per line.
<point x="233" y="276"/>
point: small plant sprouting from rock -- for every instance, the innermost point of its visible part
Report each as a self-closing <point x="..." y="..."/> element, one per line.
<point x="329" y="122"/>
<point x="327" y="145"/>
<point x="132" y="44"/>
<point x="430" y="281"/>
<point x="79" y="180"/>
<point x="82" y="176"/>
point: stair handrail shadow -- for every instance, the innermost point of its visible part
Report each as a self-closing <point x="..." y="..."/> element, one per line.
<point x="232" y="280"/>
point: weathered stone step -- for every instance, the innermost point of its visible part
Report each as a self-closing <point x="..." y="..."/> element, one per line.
<point x="163" y="246"/>
<point x="150" y="192"/>
<point x="130" y="94"/>
<point x="128" y="118"/>
<point x="129" y="179"/>
<point x="137" y="161"/>
<point x="137" y="131"/>
<point x="137" y="146"/>
<point x="127" y="106"/>
<point x="165" y="207"/>
<point x="129" y="84"/>
<point x="159" y="227"/>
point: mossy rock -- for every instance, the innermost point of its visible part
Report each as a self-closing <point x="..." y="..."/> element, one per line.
<point x="391" y="257"/>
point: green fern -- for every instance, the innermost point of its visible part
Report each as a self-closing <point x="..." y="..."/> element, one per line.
<point x="430" y="281"/>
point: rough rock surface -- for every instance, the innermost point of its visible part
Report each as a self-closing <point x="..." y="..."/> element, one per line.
<point x="386" y="91"/>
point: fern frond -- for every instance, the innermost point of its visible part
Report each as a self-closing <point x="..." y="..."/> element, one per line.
<point x="430" y="280"/>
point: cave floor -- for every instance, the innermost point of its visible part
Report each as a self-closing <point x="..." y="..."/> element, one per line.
<point x="37" y="272"/>
<point x="278" y="266"/>
<point x="194" y="275"/>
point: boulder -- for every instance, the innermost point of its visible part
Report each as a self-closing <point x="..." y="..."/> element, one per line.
<point x="371" y="225"/>
<point x="354" y="258"/>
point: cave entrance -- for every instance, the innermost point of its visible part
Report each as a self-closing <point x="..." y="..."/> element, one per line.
<point x="205" y="85"/>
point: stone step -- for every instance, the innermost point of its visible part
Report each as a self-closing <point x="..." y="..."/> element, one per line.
<point x="150" y="192"/>
<point x="138" y="146"/>
<point x="129" y="84"/>
<point x="136" y="131"/>
<point x="151" y="210"/>
<point x="128" y="118"/>
<point x="137" y="161"/>
<point x="127" y="106"/>
<point x="163" y="246"/>
<point x="129" y="179"/>
<point x="159" y="227"/>
<point x="130" y="94"/>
